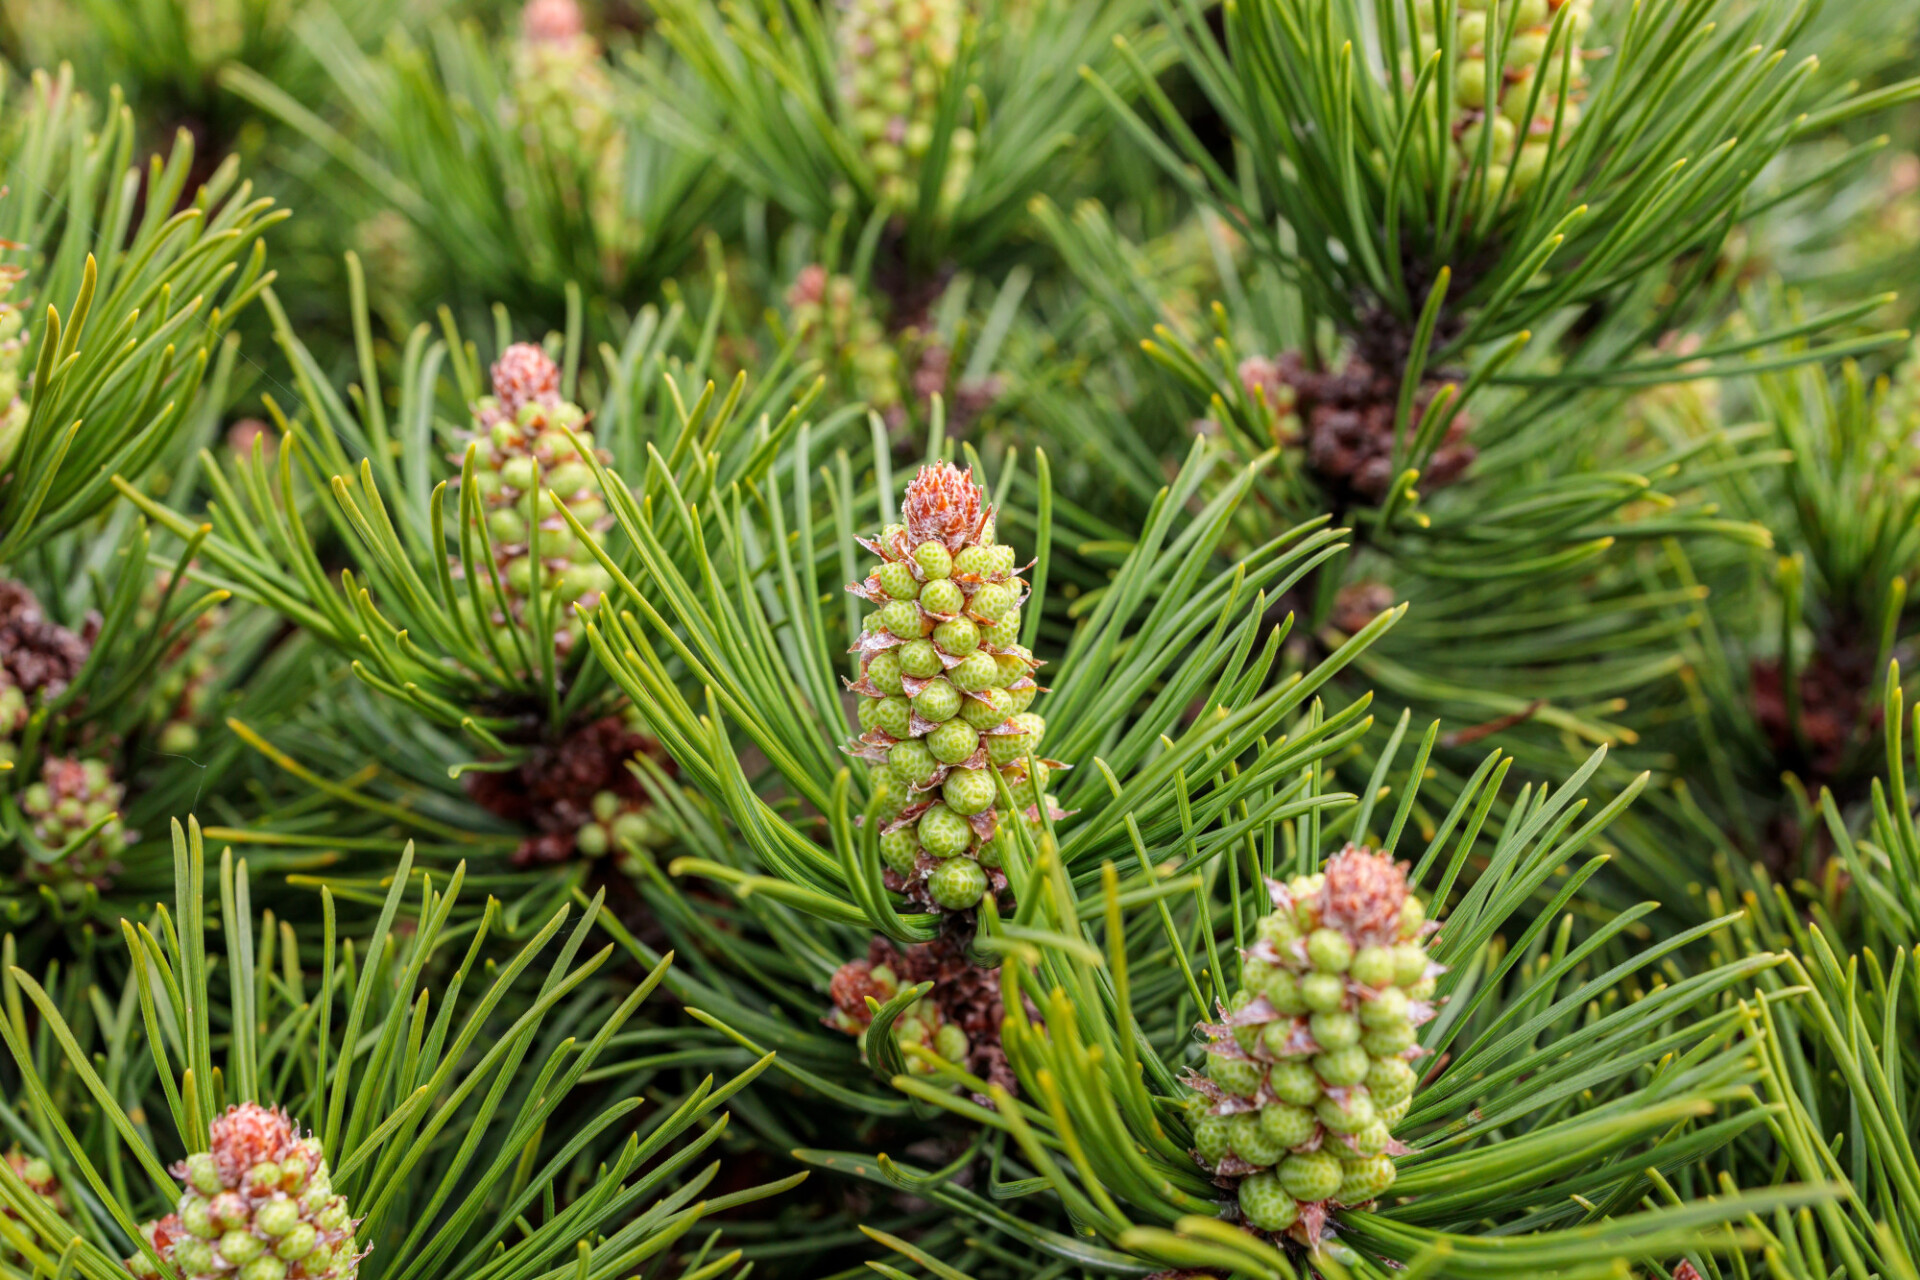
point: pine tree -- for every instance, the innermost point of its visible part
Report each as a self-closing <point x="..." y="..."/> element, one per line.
<point x="982" y="639"/>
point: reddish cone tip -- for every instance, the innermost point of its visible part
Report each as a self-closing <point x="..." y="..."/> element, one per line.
<point x="525" y="375"/>
<point x="551" y="21"/>
<point x="943" y="506"/>
<point x="248" y="1134"/>
<point x="1364" y="894"/>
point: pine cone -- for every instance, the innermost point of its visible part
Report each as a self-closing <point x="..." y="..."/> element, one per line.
<point x="945" y="689"/>
<point x="258" y="1205"/>
<point x="521" y="447"/>
<point x="37" y="656"/>
<point x="1311" y="1065"/>
<point x="1345" y="419"/>
<point x="964" y="996"/>
<point x="578" y="796"/>
<point x="15" y="369"/>
<point x="837" y="322"/>
<point x="70" y="796"/>
<point x="894" y="56"/>
<point x="1525" y="61"/>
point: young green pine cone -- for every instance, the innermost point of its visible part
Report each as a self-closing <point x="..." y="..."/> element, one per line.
<point x="894" y="59"/>
<point x="567" y="111"/>
<point x="944" y="690"/>
<point x="524" y="466"/>
<point x="1312" y="1063"/>
<point x="258" y="1205"/>
<point x="1517" y="112"/>
<point x="14" y="366"/>
<point x="837" y="326"/>
<point x="38" y="1175"/>
<point x="70" y="796"/>
<point x="923" y="1023"/>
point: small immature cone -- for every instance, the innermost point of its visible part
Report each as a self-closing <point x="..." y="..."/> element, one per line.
<point x="924" y="1022"/>
<point x="70" y="796"/>
<point x="524" y="467"/>
<point x="894" y="60"/>
<point x="258" y="1204"/>
<point x="1343" y="421"/>
<point x="944" y="690"/>
<point x="566" y="107"/>
<point x="836" y="322"/>
<point x="1311" y="1065"/>
<point x="16" y="364"/>
<point x="1525" y="63"/>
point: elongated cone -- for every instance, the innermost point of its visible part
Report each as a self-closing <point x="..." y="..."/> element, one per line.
<point x="894" y="60"/>
<point x="524" y="467"/>
<point x="258" y="1204"/>
<point x="566" y="108"/>
<point x="945" y="686"/>
<point x="14" y="363"/>
<point x="1311" y="1065"/>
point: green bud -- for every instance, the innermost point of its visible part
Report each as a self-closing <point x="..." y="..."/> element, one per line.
<point x="203" y="1174"/>
<point x="1356" y="1115"/>
<point x="973" y="562"/>
<point x="1373" y="967"/>
<point x="1409" y="964"/>
<point x="957" y="636"/>
<point x="991" y="602"/>
<point x="277" y="1217"/>
<point x="1266" y="1202"/>
<point x="969" y="791"/>
<point x="934" y="560"/>
<point x="1310" y="1176"/>
<point x="1391" y="1080"/>
<point x="1387" y="1009"/>
<point x="1282" y="989"/>
<point x="1323" y="992"/>
<point x="1329" y="950"/>
<point x="975" y="673"/>
<point x="919" y="659"/>
<point x="897" y="580"/>
<point x="1285" y="1124"/>
<point x="240" y="1247"/>
<point x="911" y="762"/>
<point x="1003" y="633"/>
<point x="264" y="1268"/>
<point x="937" y="701"/>
<point x="942" y="595"/>
<point x="953" y="741"/>
<point x="1335" y="1030"/>
<point x="1212" y="1137"/>
<point x="957" y="883"/>
<point x="883" y="672"/>
<point x="900" y="849"/>
<point x="1385" y="1041"/>
<point x="1295" y="1082"/>
<point x="1364" y="1179"/>
<point x="902" y="618"/>
<point x="987" y="709"/>
<point x="950" y="1042"/>
<point x="943" y="832"/>
<point x="1236" y="1075"/>
<point x="1342" y="1068"/>
<point x="1251" y="1144"/>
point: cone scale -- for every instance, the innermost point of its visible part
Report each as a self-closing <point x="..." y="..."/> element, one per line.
<point x="1312" y="1063"/>
<point x="944" y="689"/>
